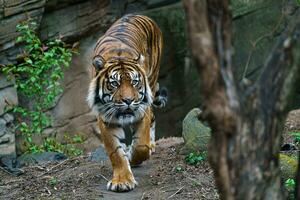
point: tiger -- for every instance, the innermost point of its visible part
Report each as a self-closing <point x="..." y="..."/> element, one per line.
<point x="123" y="92"/>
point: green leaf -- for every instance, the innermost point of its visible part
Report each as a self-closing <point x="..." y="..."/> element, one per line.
<point x="290" y="184"/>
<point x="29" y="139"/>
<point x="19" y="39"/>
<point x="179" y="169"/>
<point x="33" y="79"/>
<point x="28" y="60"/>
<point x="195" y="158"/>
<point x="77" y="139"/>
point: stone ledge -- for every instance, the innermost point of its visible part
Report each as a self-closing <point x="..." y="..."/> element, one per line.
<point x="20" y="6"/>
<point x="76" y="20"/>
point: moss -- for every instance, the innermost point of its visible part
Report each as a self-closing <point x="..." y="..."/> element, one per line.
<point x="288" y="166"/>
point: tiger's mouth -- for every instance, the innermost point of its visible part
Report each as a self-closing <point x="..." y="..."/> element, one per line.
<point x="125" y="113"/>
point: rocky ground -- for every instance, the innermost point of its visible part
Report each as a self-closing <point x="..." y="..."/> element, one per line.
<point x="164" y="176"/>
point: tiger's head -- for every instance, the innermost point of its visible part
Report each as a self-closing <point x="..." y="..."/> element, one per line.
<point x="120" y="92"/>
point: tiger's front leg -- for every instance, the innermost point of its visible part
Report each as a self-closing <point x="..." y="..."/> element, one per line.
<point x="143" y="141"/>
<point x="123" y="179"/>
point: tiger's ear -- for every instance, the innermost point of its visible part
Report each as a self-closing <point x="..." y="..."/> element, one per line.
<point x="98" y="63"/>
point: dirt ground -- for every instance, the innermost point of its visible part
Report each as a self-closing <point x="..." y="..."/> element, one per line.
<point x="158" y="178"/>
<point x="78" y="178"/>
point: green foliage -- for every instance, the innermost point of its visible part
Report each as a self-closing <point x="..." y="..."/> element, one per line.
<point x="195" y="158"/>
<point x="296" y="136"/>
<point x="178" y="168"/>
<point x="53" y="181"/>
<point x="290" y="185"/>
<point x="51" y="145"/>
<point x="75" y="139"/>
<point x="37" y="77"/>
<point x="298" y="2"/>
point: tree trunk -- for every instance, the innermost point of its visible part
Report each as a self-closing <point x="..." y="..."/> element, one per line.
<point x="246" y="118"/>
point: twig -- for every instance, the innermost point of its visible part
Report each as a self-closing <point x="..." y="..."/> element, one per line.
<point x="48" y="192"/>
<point x="143" y="196"/>
<point x="4" y="186"/>
<point x="61" y="163"/>
<point x="192" y="179"/>
<point x="49" y="170"/>
<point x="102" y="176"/>
<point x="176" y="192"/>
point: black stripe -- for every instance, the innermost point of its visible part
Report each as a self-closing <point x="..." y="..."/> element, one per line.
<point x="122" y="140"/>
<point x="97" y="98"/>
<point x="135" y="137"/>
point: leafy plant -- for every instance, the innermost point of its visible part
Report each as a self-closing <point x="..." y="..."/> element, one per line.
<point x="53" y="181"/>
<point x="76" y="139"/>
<point x="37" y="78"/>
<point x="195" y="158"/>
<point x="290" y="185"/>
<point x="50" y="144"/>
<point x="178" y="168"/>
<point x="296" y="136"/>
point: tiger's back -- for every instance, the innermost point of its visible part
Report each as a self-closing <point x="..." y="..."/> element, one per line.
<point x="133" y="37"/>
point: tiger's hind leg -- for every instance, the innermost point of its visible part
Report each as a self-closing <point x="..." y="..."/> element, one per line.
<point x="143" y="141"/>
<point x="123" y="179"/>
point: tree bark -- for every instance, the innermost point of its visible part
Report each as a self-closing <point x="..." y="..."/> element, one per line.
<point x="246" y="118"/>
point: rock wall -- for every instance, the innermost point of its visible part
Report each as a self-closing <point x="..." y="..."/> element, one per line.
<point x="71" y="20"/>
<point x="82" y="21"/>
<point x="11" y="12"/>
<point x="8" y="94"/>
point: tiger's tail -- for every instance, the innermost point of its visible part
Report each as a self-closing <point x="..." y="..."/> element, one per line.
<point x="160" y="98"/>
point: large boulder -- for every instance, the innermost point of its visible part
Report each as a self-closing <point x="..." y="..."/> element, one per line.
<point x="196" y="135"/>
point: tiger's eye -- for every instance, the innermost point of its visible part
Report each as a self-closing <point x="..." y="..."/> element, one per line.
<point x="135" y="82"/>
<point x="114" y="84"/>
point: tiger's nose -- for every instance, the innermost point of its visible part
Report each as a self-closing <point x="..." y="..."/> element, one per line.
<point x="127" y="101"/>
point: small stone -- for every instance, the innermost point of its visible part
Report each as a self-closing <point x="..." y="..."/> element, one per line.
<point x="4" y="140"/>
<point x="99" y="155"/>
<point x="195" y="134"/>
<point x="8" y="118"/>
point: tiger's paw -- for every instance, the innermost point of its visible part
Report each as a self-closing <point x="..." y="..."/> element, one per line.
<point x="121" y="184"/>
<point x="140" y="154"/>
